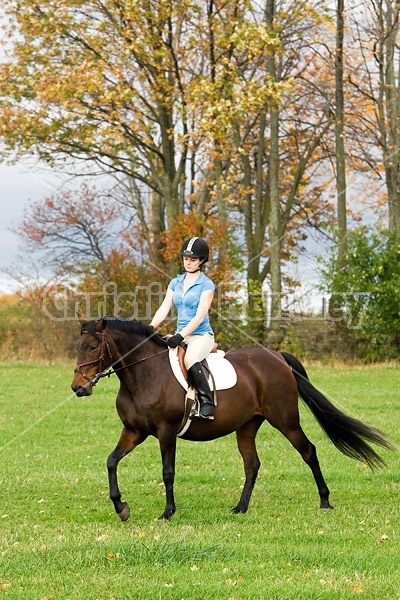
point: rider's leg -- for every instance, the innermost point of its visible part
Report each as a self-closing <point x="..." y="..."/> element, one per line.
<point x="204" y="395"/>
<point x="198" y="347"/>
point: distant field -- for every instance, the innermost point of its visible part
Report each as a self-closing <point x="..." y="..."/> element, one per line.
<point x="60" y="538"/>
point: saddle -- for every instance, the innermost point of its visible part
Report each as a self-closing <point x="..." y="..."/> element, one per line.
<point x="218" y="370"/>
<point x="181" y="356"/>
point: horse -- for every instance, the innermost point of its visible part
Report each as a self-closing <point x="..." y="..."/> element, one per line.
<point x="151" y="402"/>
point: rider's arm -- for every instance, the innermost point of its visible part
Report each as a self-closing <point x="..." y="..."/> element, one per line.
<point x="164" y="309"/>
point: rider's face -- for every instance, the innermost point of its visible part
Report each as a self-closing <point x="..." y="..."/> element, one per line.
<point x="191" y="264"/>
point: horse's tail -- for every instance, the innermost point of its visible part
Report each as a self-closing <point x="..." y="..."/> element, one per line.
<point x="349" y="435"/>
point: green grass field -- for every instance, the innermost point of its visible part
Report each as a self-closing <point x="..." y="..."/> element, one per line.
<point x="60" y="538"/>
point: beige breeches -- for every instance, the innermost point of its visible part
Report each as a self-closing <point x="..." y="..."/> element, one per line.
<point x="198" y="347"/>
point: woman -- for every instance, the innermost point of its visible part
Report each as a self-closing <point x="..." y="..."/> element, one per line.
<point x="192" y="293"/>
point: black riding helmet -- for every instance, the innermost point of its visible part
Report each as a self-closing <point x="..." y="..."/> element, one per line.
<point x="195" y="247"/>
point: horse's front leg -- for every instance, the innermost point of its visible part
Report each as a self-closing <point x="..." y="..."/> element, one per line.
<point x="168" y="452"/>
<point x="127" y="442"/>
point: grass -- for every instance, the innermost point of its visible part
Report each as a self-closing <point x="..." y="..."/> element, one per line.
<point x="60" y="538"/>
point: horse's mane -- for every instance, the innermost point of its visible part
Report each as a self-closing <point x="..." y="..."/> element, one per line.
<point x="127" y="326"/>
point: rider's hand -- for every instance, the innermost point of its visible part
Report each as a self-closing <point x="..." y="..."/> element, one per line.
<point x="174" y="340"/>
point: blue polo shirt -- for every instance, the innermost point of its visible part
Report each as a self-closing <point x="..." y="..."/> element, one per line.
<point x="188" y="302"/>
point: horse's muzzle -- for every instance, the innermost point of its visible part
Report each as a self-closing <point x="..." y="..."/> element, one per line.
<point x="82" y="390"/>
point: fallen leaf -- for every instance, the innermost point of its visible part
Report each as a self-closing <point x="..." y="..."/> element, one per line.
<point x="233" y="582"/>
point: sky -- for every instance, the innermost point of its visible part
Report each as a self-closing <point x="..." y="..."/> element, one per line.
<point x="23" y="184"/>
<point x="19" y="185"/>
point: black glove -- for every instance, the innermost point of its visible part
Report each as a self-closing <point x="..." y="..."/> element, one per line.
<point x="174" y="340"/>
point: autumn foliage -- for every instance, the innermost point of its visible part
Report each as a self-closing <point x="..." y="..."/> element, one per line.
<point x="204" y="118"/>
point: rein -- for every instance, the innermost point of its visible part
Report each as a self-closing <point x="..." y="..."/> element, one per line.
<point x="108" y="371"/>
<point x="111" y="370"/>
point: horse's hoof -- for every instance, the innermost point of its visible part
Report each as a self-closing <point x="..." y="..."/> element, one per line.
<point x="238" y="510"/>
<point x="164" y="517"/>
<point x="125" y="513"/>
<point x="167" y="514"/>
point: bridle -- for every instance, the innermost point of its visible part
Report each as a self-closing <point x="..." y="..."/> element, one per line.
<point x="105" y="348"/>
<point x="108" y="371"/>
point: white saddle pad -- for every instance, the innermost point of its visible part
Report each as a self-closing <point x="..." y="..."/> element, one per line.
<point x="222" y="370"/>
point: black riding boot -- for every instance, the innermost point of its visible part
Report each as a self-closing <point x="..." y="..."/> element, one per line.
<point x="204" y="395"/>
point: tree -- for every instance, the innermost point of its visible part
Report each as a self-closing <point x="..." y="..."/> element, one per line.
<point x="73" y="228"/>
<point x="368" y="293"/>
<point x="375" y="80"/>
<point x="94" y="91"/>
<point x="279" y="146"/>
<point x="214" y="108"/>
<point x="150" y="107"/>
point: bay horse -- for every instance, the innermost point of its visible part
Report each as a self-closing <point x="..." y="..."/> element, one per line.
<point x="150" y="402"/>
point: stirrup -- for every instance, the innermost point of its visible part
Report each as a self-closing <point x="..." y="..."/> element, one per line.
<point x="196" y="414"/>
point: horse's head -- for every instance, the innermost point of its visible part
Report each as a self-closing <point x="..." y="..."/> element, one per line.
<point x="93" y="356"/>
<point x="127" y="338"/>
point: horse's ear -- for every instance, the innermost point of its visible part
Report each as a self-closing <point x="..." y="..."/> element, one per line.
<point x="81" y="320"/>
<point x="100" y="325"/>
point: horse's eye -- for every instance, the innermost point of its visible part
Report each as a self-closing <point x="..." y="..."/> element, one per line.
<point x="93" y="347"/>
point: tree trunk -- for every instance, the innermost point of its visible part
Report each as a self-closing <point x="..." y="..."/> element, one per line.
<point x="392" y="93"/>
<point x="275" y="225"/>
<point x="388" y="103"/>
<point x="156" y="225"/>
<point x="275" y="239"/>
<point x="339" y="135"/>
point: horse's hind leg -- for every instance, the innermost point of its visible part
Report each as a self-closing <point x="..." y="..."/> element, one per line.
<point x="127" y="442"/>
<point x="246" y="441"/>
<point x="308" y="453"/>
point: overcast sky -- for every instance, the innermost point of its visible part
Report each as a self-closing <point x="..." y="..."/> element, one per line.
<point x="19" y="185"/>
<point x="22" y="184"/>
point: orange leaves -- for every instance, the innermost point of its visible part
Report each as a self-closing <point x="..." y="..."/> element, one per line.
<point x="76" y="223"/>
<point x="186" y="225"/>
<point x="219" y="235"/>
